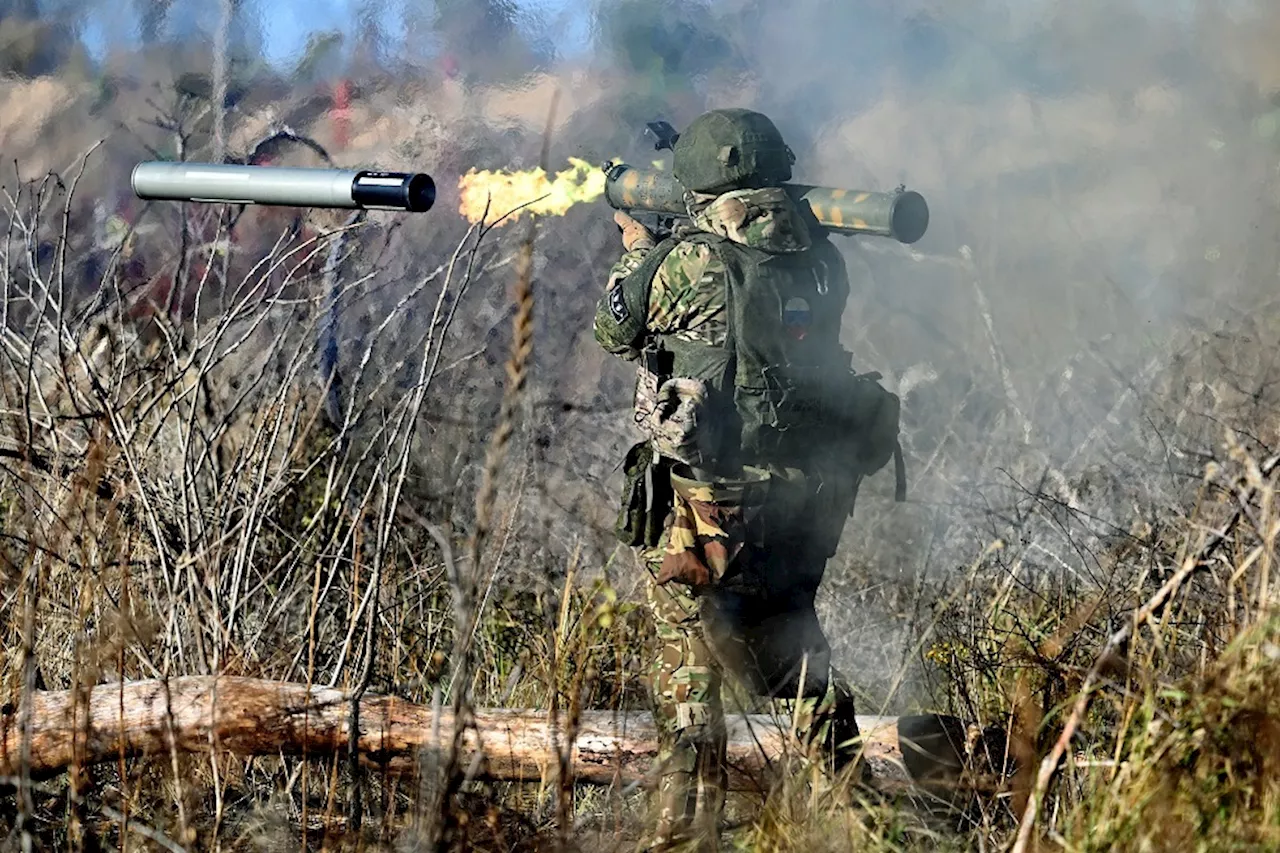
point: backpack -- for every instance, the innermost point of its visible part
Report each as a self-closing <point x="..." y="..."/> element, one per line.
<point x="782" y="391"/>
<point x="796" y="401"/>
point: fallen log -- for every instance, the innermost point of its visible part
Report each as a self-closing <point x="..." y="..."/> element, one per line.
<point x="256" y="717"/>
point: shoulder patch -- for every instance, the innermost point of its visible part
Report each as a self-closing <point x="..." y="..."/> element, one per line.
<point x="618" y="305"/>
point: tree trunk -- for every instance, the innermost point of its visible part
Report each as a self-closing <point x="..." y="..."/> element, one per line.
<point x="248" y="716"/>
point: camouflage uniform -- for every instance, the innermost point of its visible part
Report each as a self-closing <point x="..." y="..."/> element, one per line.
<point x="763" y="622"/>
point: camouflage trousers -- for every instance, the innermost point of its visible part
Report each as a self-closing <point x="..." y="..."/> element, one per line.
<point x="685" y="688"/>
<point x="686" y="679"/>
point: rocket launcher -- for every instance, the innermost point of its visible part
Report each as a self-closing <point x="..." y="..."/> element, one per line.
<point x="902" y="214"/>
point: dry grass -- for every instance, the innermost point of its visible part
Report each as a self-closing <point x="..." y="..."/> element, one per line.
<point x="279" y="476"/>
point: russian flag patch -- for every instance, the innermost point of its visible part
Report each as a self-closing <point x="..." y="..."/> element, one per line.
<point x="797" y="317"/>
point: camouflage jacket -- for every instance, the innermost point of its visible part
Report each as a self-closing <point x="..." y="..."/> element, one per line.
<point x="713" y="509"/>
<point x="687" y="298"/>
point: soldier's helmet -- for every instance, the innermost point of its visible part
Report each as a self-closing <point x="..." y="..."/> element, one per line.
<point x="731" y="149"/>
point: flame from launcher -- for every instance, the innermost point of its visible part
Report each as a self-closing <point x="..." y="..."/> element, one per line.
<point x="530" y="191"/>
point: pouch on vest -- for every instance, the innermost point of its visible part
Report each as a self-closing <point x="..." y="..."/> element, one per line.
<point x="875" y="412"/>
<point x="874" y="416"/>
<point x="646" y="498"/>
<point x="713" y="525"/>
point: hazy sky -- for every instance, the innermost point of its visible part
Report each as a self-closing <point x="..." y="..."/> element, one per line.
<point x="287" y="23"/>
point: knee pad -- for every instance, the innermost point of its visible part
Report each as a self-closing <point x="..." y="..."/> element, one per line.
<point x="692" y="716"/>
<point x="686" y="697"/>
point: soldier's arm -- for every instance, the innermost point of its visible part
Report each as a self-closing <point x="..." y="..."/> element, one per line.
<point x="615" y="329"/>
<point x="688" y="294"/>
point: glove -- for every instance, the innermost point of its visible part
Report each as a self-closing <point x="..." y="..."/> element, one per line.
<point x="677" y="425"/>
<point x="634" y="235"/>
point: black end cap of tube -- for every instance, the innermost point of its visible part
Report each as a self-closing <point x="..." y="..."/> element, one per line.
<point x="397" y="190"/>
<point x="910" y="217"/>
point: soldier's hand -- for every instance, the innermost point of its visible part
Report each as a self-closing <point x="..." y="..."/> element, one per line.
<point x="634" y="235"/>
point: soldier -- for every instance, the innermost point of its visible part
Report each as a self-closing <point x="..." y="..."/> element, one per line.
<point x="758" y="435"/>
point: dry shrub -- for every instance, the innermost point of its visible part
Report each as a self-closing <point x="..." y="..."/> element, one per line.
<point x="1087" y="313"/>
<point x="1197" y="766"/>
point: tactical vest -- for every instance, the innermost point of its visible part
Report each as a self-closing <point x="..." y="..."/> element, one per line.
<point x="771" y="382"/>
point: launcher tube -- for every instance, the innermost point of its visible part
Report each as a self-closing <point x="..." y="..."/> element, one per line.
<point x="283" y="185"/>
<point x="902" y="214"/>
